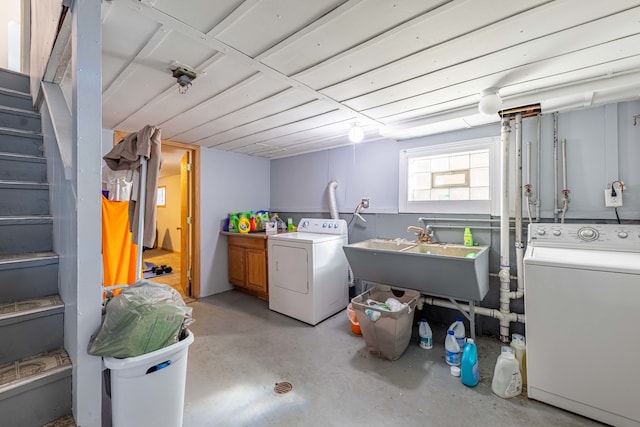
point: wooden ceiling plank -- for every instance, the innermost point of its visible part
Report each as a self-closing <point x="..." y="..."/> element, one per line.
<point x="314" y="26"/>
<point x="338" y="57"/>
<point x="216" y="44"/>
<point x="150" y="46"/>
<point x="416" y="39"/>
<point x="148" y="112"/>
<point x="462" y="49"/>
<point x="335" y="116"/>
<point x="434" y="89"/>
<point x="287" y="98"/>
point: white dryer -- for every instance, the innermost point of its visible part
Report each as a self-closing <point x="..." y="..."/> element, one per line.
<point x="308" y="271"/>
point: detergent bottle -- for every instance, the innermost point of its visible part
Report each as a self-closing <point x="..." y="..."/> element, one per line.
<point x="426" y="336"/>
<point x="519" y="347"/>
<point x="459" y="331"/>
<point x="469" y="370"/>
<point x="452" y="349"/>
<point x="507" y="381"/>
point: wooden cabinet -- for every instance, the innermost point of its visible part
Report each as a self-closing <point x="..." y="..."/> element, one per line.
<point x="248" y="264"/>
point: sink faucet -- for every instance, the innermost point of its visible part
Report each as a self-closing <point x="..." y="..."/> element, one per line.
<point x="424" y="234"/>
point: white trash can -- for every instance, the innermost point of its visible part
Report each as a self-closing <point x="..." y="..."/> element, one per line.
<point x="148" y="390"/>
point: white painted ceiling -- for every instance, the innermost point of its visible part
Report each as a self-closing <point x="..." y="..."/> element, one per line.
<point x="278" y="78"/>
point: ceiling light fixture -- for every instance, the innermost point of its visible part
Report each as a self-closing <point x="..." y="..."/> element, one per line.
<point x="356" y="134"/>
<point x="184" y="77"/>
<point x="490" y="101"/>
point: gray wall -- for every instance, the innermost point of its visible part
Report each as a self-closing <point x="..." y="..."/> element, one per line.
<point x="228" y="182"/>
<point x="602" y="146"/>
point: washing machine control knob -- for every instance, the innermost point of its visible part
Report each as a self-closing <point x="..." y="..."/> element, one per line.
<point x="557" y="232"/>
<point x="588" y="234"/>
<point x="541" y="232"/>
<point x="623" y="234"/>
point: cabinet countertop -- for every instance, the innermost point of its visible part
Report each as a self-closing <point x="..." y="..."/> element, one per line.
<point x="255" y="235"/>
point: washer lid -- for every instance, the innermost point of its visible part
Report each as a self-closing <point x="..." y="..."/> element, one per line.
<point x="622" y="262"/>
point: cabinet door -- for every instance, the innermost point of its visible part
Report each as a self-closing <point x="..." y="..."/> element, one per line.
<point x="237" y="266"/>
<point x="257" y="270"/>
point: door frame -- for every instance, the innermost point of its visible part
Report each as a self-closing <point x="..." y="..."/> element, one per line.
<point x="195" y="196"/>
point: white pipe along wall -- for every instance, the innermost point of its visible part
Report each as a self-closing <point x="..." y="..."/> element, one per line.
<point x="503" y="314"/>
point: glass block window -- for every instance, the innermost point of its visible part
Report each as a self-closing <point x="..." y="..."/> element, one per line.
<point x="433" y="178"/>
<point x="449" y="177"/>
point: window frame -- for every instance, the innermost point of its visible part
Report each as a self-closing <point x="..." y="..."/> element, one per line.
<point x="490" y="206"/>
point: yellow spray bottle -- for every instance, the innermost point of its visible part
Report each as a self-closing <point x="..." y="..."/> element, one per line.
<point x="468" y="237"/>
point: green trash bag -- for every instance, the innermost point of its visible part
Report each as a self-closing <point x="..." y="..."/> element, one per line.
<point x="144" y="317"/>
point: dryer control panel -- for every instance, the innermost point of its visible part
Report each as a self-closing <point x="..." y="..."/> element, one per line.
<point x="322" y="226"/>
<point x="621" y="237"/>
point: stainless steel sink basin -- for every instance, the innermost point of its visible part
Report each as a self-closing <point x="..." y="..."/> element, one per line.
<point x="444" y="270"/>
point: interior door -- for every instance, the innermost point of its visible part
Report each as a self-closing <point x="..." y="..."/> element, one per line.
<point x="185" y="222"/>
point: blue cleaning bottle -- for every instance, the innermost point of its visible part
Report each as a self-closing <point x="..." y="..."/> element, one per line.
<point x="469" y="371"/>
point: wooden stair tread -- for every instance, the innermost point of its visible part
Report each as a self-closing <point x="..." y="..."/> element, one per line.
<point x="27" y="257"/>
<point x="66" y="421"/>
<point x="30" y="307"/>
<point x="30" y="369"/>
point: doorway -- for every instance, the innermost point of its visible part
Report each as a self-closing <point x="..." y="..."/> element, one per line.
<point x="171" y="260"/>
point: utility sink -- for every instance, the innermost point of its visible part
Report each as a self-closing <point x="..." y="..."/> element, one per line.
<point x="444" y="270"/>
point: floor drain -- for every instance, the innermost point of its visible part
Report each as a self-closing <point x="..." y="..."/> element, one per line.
<point x="283" y="387"/>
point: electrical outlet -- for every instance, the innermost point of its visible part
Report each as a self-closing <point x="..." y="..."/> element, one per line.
<point x="612" y="201"/>
<point x="365" y="202"/>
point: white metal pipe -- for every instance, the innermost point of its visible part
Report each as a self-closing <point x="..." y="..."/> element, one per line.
<point x="538" y="202"/>
<point x="483" y="311"/>
<point x="142" y="194"/>
<point x="505" y="272"/>
<point x="519" y="244"/>
<point x="555" y="167"/>
<point x="565" y="188"/>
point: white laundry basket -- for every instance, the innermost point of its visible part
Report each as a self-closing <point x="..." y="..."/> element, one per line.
<point x="148" y="390"/>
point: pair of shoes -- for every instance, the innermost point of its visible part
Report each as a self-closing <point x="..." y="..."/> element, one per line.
<point x="162" y="269"/>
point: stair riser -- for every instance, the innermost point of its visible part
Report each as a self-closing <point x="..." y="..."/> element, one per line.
<point x="31" y="337"/>
<point x="37" y="406"/>
<point x="13" y="120"/>
<point x="17" y="201"/>
<point x="15" y="101"/>
<point x="25" y="238"/>
<point x="10" y="143"/>
<point x="14" y="81"/>
<point x="14" y="170"/>
<point x="28" y="282"/>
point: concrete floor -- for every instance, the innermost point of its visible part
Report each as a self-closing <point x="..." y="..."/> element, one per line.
<point x="242" y="349"/>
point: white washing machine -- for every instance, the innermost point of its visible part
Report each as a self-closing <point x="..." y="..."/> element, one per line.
<point x="308" y="271"/>
<point x="582" y="292"/>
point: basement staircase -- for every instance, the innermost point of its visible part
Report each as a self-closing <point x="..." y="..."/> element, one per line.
<point x="35" y="370"/>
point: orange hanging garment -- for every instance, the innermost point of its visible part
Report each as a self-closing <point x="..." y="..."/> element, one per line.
<point x="118" y="253"/>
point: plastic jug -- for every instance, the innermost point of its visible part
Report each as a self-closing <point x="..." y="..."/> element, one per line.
<point x="469" y="370"/>
<point x="507" y="381"/>
<point x="426" y="336"/>
<point x="519" y="347"/>
<point x="459" y="331"/>
<point x="452" y="349"/>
